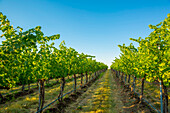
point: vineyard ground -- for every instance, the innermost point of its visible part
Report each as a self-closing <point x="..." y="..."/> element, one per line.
<point x="16" y="92"/>
<point x="29" y="103"/>
<point x="71" y="98"/>
<point x="106" y="95"/>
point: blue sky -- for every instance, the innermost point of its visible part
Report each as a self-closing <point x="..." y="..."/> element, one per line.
<point x="94" y="27"/>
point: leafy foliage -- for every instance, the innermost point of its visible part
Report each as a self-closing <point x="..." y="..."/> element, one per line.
<point x="151" y="58"/>
<point x="22" y="62"/>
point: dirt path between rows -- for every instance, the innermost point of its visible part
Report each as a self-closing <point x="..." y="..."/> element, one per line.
<point x="107" y="95"/>
<point x="101" y="97"/>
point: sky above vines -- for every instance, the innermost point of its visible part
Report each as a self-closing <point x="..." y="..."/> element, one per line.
<point x="94" y="27"/>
